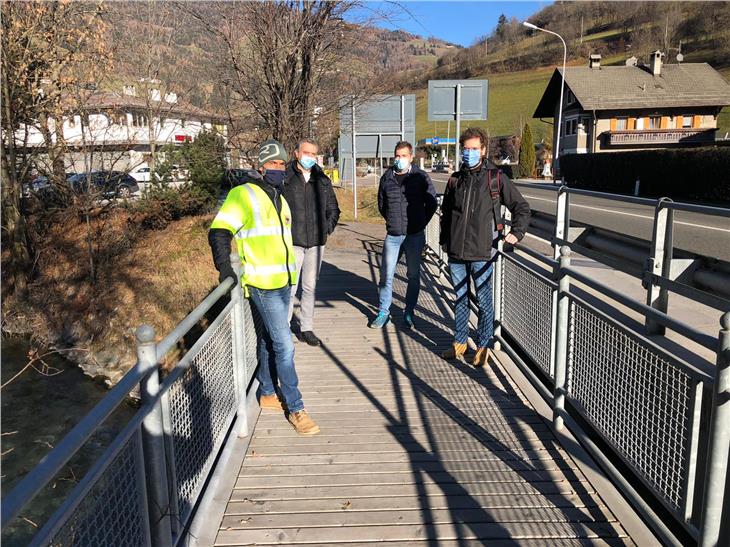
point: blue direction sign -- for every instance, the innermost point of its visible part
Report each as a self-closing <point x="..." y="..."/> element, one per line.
<point x="435" y="141"/>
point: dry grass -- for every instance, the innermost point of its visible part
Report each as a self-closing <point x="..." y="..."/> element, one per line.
<point x="367" y="205"/>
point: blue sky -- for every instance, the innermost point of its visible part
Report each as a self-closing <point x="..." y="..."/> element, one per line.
<point x="458" y="22"/>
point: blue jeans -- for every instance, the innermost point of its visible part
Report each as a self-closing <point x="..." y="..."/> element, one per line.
<point x="393" y="247"/>
<point x="480" y="273"/>
<point x="275" y="347"/>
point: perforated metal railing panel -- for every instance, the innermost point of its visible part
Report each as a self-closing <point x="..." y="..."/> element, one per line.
<point x="635" y="396"/>
<point x="113" y="512"/>
<point x="527" y="307"/>
<point x="202" y="403"/>
<point x="250" y="340"/>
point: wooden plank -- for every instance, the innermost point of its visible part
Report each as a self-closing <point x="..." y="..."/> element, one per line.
<point x="252" y="506"/>
<point x="483" y="531"/>
<point x="426" y="515"/>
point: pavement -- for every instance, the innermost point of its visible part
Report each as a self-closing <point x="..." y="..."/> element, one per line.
<point x="701" y="234"/>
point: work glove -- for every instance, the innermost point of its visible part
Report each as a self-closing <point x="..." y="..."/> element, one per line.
<point x="226" y="271"/>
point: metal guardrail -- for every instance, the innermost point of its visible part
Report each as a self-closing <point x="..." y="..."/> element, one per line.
<point x="143" y="489"/>
<point x="665" y="420"/>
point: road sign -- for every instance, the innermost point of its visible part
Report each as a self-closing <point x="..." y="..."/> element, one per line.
<point x="457" y="100"/>
<point x="435" y="141"/>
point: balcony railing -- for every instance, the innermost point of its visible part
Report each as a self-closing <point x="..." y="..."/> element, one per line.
<point x="660" y="136"/>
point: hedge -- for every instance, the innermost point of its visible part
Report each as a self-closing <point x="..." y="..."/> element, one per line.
<point x="688" y="174"/>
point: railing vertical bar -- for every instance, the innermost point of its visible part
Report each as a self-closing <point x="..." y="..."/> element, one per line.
<point x="694" y="415"/>
<point x="498" y="281"/>
<point x="562" y="220"/>
<point x="659" y="263"/>
<point x="174" y="502"/>
<point x="561" y="342"/>
<point x="239" y="345"/>
<point x="158" y="493"/>
<point x="717" y="461"/>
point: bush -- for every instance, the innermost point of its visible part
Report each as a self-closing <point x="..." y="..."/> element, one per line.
<point x="527" y="153"/>
<point x="162" y="204"/>
<point x="682" y="174"/>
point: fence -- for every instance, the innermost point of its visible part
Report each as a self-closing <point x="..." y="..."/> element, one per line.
<point x="657" y="419"/>
<point x="144" y="489"/>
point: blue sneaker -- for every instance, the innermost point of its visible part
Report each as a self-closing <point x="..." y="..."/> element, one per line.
<point x="380" y="320"/>
<point x="408" y="319"/>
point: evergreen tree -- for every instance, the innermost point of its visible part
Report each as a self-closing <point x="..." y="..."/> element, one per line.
<point x="527" y="153"/>
<point x="205" y="161"/>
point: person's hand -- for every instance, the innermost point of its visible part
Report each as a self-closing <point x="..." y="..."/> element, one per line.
<point x="511" y="238"/>
<point x="226" y="272"/>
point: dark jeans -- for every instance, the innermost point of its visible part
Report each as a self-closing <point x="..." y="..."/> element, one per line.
<point x="479" y="273"/>
<point x="275" y="347"/>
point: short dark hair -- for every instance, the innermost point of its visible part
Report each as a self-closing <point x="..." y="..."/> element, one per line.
<point x="474" y="133"/>
<point x="403" y="144"/>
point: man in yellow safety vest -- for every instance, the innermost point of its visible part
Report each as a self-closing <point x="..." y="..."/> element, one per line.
<point x="258" y="217"/>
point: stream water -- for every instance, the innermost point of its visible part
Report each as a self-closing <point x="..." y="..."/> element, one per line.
<point x="37" y="411"/>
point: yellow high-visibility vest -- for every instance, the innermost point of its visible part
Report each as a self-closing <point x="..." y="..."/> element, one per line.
<point x="262" y="234"/>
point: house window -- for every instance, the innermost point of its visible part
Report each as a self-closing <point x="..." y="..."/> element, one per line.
<point x="72" y="122"/>
<point x="655" y="122"/>
<point x="570" y="97"/>
<point x="571" y="126"/>
<point x="687" y="121"/>
<point x="622" y="124"/>
<point x="139" y="120"/>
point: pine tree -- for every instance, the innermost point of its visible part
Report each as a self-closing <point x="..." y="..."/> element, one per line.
<point x="527" y="153"/>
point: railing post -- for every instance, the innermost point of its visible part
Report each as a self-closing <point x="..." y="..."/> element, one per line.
<point x="561" y="335"/>
<point x="153" y="442"/>
<point x="659" y="263"/>
<point x="562" y="220"/>
<point x="713" y="531"/>
<point x="239" y="348"/>
<point x="497" y="293"/>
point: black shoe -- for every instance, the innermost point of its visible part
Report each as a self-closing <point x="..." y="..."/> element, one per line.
<point x="309" y="337"/>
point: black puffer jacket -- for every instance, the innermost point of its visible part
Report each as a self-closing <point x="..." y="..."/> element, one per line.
<point x="406" y="207"/>
<point x="467" y="212"/>
<point x="313" y="205"/>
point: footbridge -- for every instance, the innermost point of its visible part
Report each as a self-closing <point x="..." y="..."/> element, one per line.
<point x="583" y="429"/>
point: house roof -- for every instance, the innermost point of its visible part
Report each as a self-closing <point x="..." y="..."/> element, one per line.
<point x="109" y="100"/>
<point x="634" y="87"/>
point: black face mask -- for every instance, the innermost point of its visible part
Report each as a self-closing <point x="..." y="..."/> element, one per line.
<point x="275" y="178"/>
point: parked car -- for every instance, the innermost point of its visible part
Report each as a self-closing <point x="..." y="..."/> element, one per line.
<point x="38" y="185"/>
<point x="439" y="167"/>
<point x="109" y="183"/>
<point x="141" y="173"/>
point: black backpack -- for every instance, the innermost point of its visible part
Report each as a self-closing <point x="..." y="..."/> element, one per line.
<point x="495" y="188"/>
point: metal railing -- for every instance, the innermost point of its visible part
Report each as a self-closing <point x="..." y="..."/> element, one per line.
<point x="665" y="420"/>
<point x="144" y="488"/>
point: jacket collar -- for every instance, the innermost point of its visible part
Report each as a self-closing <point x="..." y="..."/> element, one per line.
<point x="293" y="170"/>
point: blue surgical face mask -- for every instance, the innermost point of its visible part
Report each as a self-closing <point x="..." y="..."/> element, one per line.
<point x="401" y="164"/>
<point x="306" y="162"/>
<point x="275" y="177"/>
<point x="471" y="158"/>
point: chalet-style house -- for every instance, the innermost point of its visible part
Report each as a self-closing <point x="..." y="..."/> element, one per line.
<point x="635" y="107"/>
<point x="118" y="130"/>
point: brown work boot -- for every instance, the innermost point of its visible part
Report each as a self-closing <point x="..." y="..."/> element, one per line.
<point x="455" y="351"/>
<point x="303" y="424"/>
<point x="481" y="357"/>
<point x="270" y="402"/>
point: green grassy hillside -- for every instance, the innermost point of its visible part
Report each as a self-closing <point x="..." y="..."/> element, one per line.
<point x="512" y="101"/>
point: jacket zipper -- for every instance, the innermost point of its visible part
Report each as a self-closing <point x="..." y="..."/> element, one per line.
<point x="466" y="220"/>
<point x="281" y="225"/>
<point x="306" y="212"/>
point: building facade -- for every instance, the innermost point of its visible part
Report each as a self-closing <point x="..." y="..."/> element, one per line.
<point x="635" y="107"/>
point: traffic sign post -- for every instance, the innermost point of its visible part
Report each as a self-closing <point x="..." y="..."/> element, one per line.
<point x="457" y="100"/>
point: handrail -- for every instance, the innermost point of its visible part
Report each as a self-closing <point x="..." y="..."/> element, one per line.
<point x="74" y="440"/>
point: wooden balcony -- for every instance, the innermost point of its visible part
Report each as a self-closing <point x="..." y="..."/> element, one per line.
<point x="660" y="136"/>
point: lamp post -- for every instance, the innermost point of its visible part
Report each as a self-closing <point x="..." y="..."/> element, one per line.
<point x="562" y="87"/>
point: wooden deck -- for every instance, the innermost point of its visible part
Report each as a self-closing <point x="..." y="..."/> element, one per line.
<point x="413" y="450"/>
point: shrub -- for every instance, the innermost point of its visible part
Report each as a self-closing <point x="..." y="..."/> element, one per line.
<point x="527" y="153"/>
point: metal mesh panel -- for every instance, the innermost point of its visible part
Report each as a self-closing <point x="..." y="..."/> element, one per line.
<point x="527" y="306"/>
<point x="635" y="398"/>
<point x="250" y="340"/>
<point x="113" y="512"/>
<point x="202" y="402"/>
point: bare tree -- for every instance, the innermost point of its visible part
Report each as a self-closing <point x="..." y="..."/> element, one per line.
<point x="49" y="50"/>
<point x="282" y="61"/>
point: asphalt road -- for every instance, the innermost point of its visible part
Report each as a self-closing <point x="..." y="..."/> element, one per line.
<point x="696" y="233"/>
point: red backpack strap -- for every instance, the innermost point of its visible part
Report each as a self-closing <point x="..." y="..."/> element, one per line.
<point x="495" y="193"/>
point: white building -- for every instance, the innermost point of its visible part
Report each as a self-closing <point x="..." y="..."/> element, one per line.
<point x="117" y="131"/>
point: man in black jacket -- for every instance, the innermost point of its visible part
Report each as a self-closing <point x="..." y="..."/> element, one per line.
<point x="315" y="213"/>
<point x="470" y="225"/>
<point x="407" y="201"/>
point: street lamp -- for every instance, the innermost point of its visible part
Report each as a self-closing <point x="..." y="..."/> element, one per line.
<point x="562" y="86"/>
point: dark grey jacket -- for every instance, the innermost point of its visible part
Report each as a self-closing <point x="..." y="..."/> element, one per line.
<point x="467" y="212"/>
<point x="406" y="207"/>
